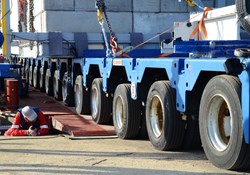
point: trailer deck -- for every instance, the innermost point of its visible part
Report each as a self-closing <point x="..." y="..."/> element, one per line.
<point x="63" y="118"/>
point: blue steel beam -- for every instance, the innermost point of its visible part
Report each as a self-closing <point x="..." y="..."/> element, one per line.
<point x="245" y="100"/>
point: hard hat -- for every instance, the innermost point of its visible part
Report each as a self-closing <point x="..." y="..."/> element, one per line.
<point x="29" y="113"/>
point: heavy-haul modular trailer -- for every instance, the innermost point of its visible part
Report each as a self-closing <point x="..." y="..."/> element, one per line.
<point x="196" y="95"/>
<point x="164" y="97"/>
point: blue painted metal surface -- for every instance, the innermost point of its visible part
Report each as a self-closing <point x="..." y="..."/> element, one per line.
<point x="1" y="39"/>
<point x="4" y="70"/>
<point x="245" y="99"/>
<point x="212" y="49"/>
<point x="182" y="68"/>
<point x="138" y="53"/>
<point x="11" y="71"/>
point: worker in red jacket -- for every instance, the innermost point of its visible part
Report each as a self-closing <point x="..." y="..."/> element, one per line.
<point x="28" y="122"/>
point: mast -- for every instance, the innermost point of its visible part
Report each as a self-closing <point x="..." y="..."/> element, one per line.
<point x="6" y="27"/>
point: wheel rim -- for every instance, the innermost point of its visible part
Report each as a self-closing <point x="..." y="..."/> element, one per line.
<point x="119" y="114"/>
<point x="55" y="84"/>
<point x="30" y="76"/>
<point x="27" y="73"/>
<point x="94" y="102"/>
<point x="35" y="78"/>
<point x="156" y="116"/>
<point x="77" y="95"/>
<point x="41" y="79"/>
<point x="64" y="90"/>
<point x="47" y="83"/>
<point x="220" y="123"/>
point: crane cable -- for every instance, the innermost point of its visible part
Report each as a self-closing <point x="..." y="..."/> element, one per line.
<point x="100" y="20"/>
<point x="101" y="13"/>
<point x="117" y="52"/>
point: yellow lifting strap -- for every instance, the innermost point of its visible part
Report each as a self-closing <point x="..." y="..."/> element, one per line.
<point x="190" y="3"/>
<point x="99" y="16"/>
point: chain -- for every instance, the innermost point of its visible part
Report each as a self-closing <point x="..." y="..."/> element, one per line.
<point x="102" y="7"/>
<point x="20" y="15"/>
<point x="31" y="21"/>
<point x="113" y="40"/>
<point x="22" y="10"/>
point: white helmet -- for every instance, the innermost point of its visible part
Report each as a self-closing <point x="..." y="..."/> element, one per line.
<point x="29" y="113"/>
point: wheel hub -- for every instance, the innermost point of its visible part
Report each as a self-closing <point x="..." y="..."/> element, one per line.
<point x="77" y="96"/>
<point x="220" y="123"/>
<point x="119" y="114"/>
<point x="156" y="116"/>
<point x="94" y="99"/>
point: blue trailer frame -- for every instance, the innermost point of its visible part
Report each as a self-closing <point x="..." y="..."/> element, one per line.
<point x="181" y="70"/>
<point x="191" y="63"/>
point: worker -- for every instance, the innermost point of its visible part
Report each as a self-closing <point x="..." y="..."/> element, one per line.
<point x="1" y="58"/>
<point x="28" y="122"/>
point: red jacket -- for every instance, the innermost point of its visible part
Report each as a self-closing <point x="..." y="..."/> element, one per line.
<point x="17" y="130"/>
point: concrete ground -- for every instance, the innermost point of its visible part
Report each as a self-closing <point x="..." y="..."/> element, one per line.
<point x="56" y="154"/>
<point x="59" y="155"/>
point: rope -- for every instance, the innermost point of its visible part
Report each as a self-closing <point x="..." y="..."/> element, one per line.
<point x="166" y="31"/>
<point x="131" y="48"/>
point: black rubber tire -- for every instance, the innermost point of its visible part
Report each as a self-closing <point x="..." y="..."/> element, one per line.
<point x="49" y="83"/>
<point x="222" y="98"/>
<point x="67" y="91"/>
<point x="143" y="133"/>
<point x="243" y="9"/>
<point x="31" y="76"/>
<point x="82" y="97"/>
<point x="166" y="132"/>
<point x="42" y="80"/>
<point x="57" y="86"/>
<point x="35" y="78"/>
<point x="192" y="135"/>
<point x="101" y="106"/>
<point x="126" y="113"/>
